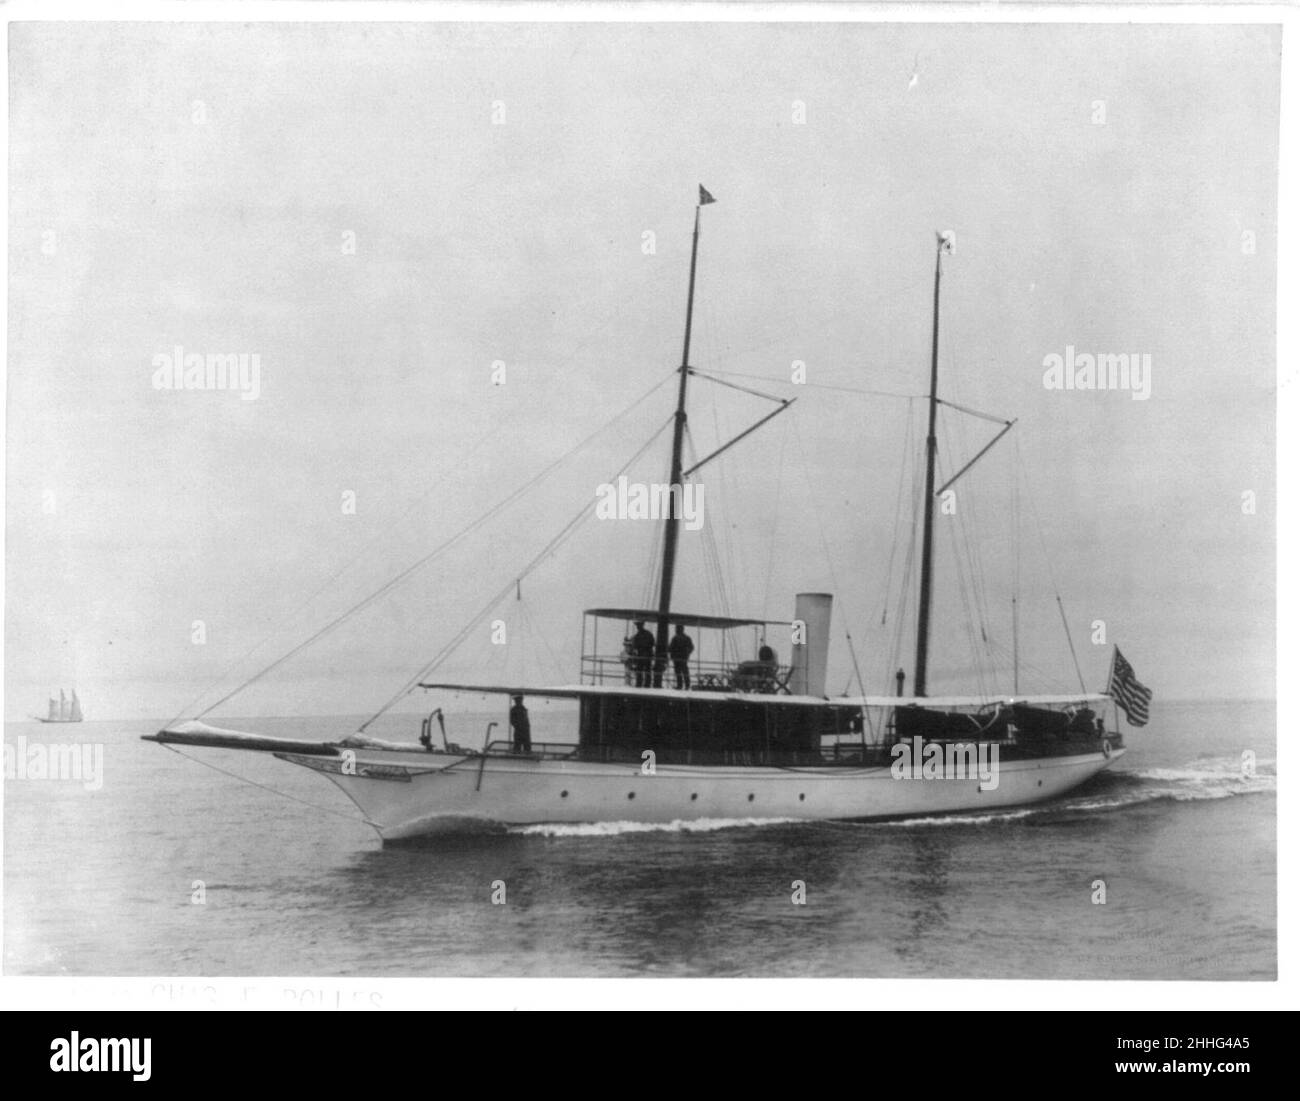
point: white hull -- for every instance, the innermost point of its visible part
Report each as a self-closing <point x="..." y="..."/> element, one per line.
<point x="406" y="795"/>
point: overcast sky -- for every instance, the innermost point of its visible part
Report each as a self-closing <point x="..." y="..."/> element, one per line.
<point x="381" y="212"/>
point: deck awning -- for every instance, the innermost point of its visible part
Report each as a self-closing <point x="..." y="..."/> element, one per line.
<point x="947" y="703"/>
<point x="686" y="619"/>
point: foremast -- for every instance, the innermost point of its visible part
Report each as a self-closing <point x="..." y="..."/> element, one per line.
<point x="675" y="486"/>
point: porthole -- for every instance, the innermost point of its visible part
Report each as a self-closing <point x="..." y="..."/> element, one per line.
<point x="564" y="795"/>
<point x="751" y="796"/>
<point x="801" y="797"/>
<point x="694" y="796"/>
<point x="631" y="794"/>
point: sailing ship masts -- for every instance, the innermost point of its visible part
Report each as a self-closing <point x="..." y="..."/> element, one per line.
<point x="675" y="473"/>
<point x="927" y="538"/>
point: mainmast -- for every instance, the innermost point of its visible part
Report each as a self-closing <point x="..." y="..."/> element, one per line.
<point x="676" y="489"/>
<point x="931" y="453"/>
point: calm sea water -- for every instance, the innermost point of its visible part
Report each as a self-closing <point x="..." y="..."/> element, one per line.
<point x="102" y="882"/>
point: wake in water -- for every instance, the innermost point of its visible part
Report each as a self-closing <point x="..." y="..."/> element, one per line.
<point x="1204" y="778"/>
<point x="613" y="829"/>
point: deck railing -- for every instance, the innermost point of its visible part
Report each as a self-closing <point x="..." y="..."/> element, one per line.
<point x="762" y="677"/>
<point x="550" y="751"/>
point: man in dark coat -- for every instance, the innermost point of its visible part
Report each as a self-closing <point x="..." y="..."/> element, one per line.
<point x="643" y="652"/>
<point x="680" y="648"/>
<point x="520" y="728"/>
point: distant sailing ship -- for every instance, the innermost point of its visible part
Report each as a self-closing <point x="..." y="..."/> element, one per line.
<point x="743" y="739"/>
<point x="63" y="711"/>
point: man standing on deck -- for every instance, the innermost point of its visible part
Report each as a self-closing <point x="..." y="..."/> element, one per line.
<point x="680" y="648"/>
<point x="643" y="652"/>
<point x="520" y="728"/>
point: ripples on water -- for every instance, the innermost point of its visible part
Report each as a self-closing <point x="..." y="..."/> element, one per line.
<point x="102" y="882"/>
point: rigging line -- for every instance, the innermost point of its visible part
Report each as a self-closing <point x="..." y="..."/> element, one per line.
<point x="886" y="594"/>
<point x="264" y="787"/>
<point x="969" y="614"/>
<point x="583" y="513"/>
<point x="905" y="590"/>
<point x="1065" y="623"/>
<point x="727" y="544"/>
<point x="650" y="579"/>
<point x="898" y="513"/>
<point x="732" y="386"/>
<point x="534" y="631"/>
<point x="714" y="568"/>
<point x="959" y="574"/>
<point x="426" y="559"/>
<point x="973" y="412"/>
<point x="814" y="385"/>
<point x="962" y="530"/>
<point x="900" y="620"/>
<point x="776" y="511"/>
<point x="857" y="670"/>
<point x="1033" y="507"/>
<point x="464" y="633"/>
<point x="972" y="512"/>
<point x="1048" y="679"/>
<point x="974" y="563"/>
<point x="650" y="576"/>
<point x="1042" y="540"/>
<point x="977" y="550"/>
<point x="712" y="571"/>
<point x="723" y="547"/>
<point x="826" y="550"/>
<point x="727" y="549"/>
<point x="327" y="583"/>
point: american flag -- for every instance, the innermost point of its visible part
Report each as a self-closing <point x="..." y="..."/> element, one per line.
<point x="1133" y="697"/>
